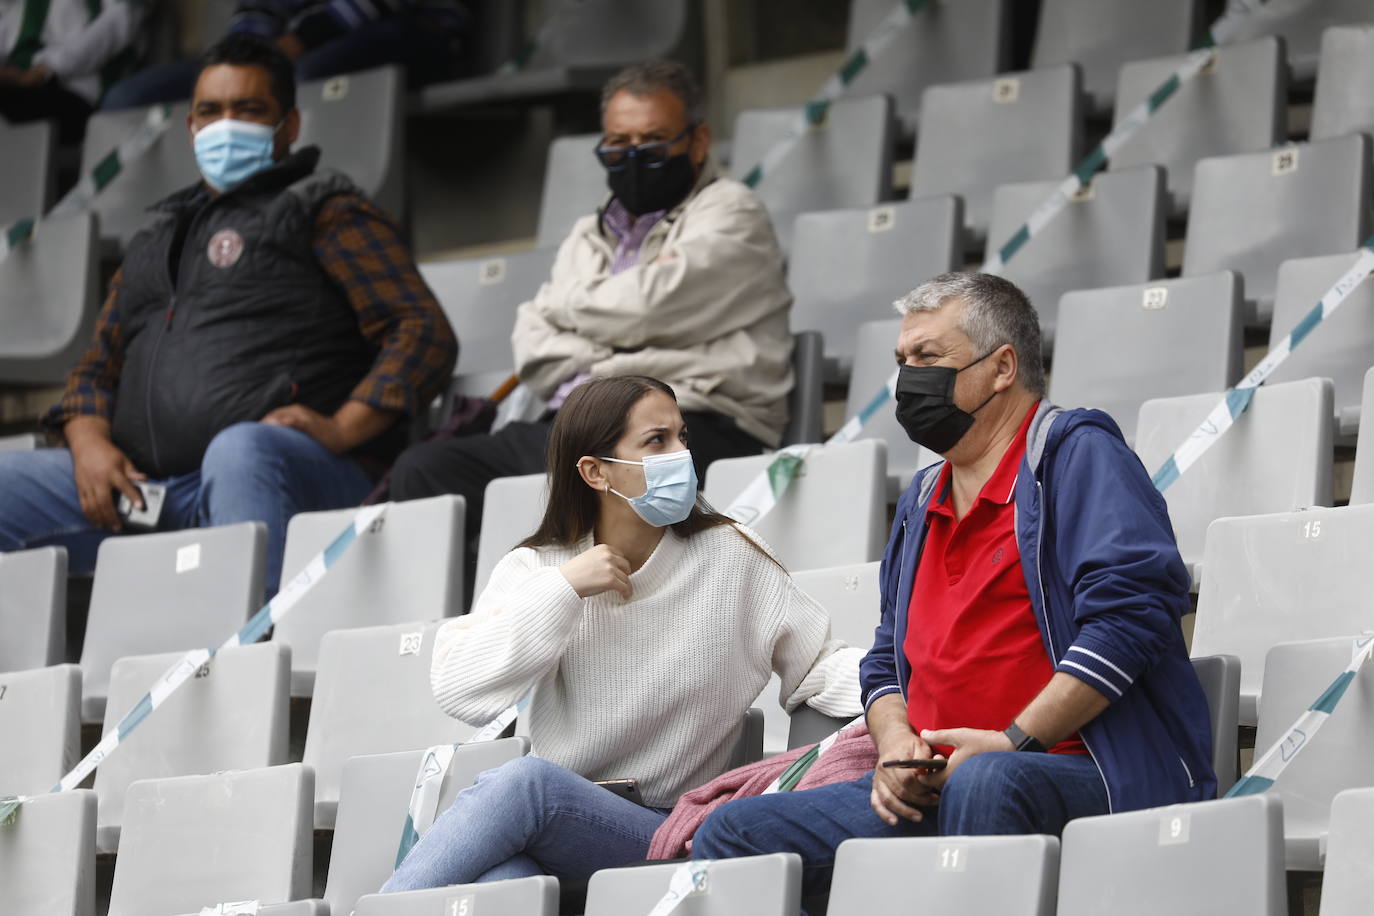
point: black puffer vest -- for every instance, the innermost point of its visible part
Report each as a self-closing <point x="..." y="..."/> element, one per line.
<point x="248" y="321"/>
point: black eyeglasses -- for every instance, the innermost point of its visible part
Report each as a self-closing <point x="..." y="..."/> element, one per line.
<point x="653" y="155"/>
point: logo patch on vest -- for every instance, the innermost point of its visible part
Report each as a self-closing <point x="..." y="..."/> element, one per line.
<point x="225" y="248"/>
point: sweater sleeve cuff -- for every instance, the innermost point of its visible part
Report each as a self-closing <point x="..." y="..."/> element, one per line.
<point x="1098" y="666"/>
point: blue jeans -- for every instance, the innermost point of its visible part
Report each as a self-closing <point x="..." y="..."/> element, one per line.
<point x="991" y="793"/>
<point x="527" y="817"/>
<point x="250" y="472"/>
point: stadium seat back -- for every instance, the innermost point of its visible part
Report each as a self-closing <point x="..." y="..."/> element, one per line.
<point x="1110" y="234"/>
<point x="610" y="33"/>
<point x="1220" y="679"/>
<point x="849" y="266"/>
<point x="196" y="841"/>
<point x="49" y="298"/>
<point x="834" y="512"/>
<point x="357" y="121"/>
<point x="1275" y="458"/>
<point x="872" y="366"/>
<point x="1362" y="487"/>
<point x="533" y="896"/>
<point x="168" y="592"/>
<point x="1342" y="347"/>
<point x="1342" y="104"/>
<point x="24" y="442"/>
<point x="1340" y="756"/>
<point x="47" y="857"/>
<point x="40" y="715"/>
<point x="574" y="187"/>
<point x="1116" y="348"/>
<point x="806" y="403"/>
<point x="26" y="170"/>
<point x="752" y="886"/>
<point x="1348" y="880"/>
<point x="231" y="715"/>
<point x="845" y="161"/>
<point x="372" y="696"/>
<point x="33" y="608"/>
<point x="1281" y="578"/>
<point x="972" y="875"/>
<point x="1209" y="857"/>
<point x="1252" y="211"/>
<point x="412" y="569"/>
<point x="521" y="501"/>
<point x="168" y="165"/>
<point x="1238" y="105"/>
<point x="979" y="134"/>
<point x="1301" y="27"/>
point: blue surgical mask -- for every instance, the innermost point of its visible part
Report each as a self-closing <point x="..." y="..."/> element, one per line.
<point x="670" y="488"/>
<point x="229" y="152"/>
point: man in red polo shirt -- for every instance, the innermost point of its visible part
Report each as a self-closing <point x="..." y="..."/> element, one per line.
<point x="1031" y="597"/>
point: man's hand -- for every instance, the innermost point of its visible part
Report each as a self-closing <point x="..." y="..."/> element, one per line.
<point x="324" y="430"/>
<point x="37" y="75"/>
<point x="966" y="743"/>
<point x="601" y="569"/>
<point x="896" y="789"/>
<point x="100" y="468"/>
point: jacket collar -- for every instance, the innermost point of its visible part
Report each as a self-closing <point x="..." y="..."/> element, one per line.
<point x="293" y="168"/>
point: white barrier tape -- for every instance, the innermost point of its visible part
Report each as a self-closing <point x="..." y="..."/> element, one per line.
<point x="691" y="879"/>
<point x="1237" y="400"/>
<point x="184" y="668"/>
<point x="1276" y="759"/>
<point x="787" y="780"/>
<point x="429" y="780"/>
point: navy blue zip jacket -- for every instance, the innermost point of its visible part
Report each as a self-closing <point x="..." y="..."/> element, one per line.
<point x="1107" y="586"/>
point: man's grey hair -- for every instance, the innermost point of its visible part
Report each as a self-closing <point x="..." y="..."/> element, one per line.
<point x="656" y="75"/>
<point x="996" y="312"/>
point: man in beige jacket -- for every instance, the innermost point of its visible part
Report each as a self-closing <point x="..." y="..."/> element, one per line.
<point x="678" y="276"/>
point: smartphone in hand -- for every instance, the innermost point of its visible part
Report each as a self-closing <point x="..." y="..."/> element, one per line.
<point x="931" y="765"/>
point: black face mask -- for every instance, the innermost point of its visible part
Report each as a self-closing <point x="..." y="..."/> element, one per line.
<point x="642" y="187"/>
<point x="926" y="408"/>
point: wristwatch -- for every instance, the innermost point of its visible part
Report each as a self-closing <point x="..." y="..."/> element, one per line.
<point x="1022" y="741"/>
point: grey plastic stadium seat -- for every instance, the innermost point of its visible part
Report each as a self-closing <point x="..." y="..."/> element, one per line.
<point x="47" y="857"/>
<point x="1252" y="211"/>
<point x="48" y="300"/>
<point x="1280" y="578"/>
<point x="834" y="512"/>
<point x="1275" y="458"/>
<point x="1348" y="880"/>
<point x="21" y="443"/>
<point x="942" y="43"/>
<point x="846" y="161"/>
<point x="1220" y="678"/>
<point x="584" y="43"/>
<point x="1101" y="35"/>
<point x="873" y="365"/>
<point x="1236" y="106"/>
<point x="372" y="810"/>
<point x="1112" y="233"/>
<point x="232" y="715"/>
<point x="1221" y="856"/>
<point x="1116" y="348"/>
<point x="1342" y="104"/>
<point x="1301" y="25"/>
<point x="168" y="165"/>
<point x="977" y="135"/>
<point x="26" y="173"/>
<point x="522" y="501"/>
<point x="168" y="592"/>
<point x="533" y="896"/>
<point x="40" y="717"/>
<point x="333" y="110"/>
<point x="480" y="296"/>
<point x="574" y="187"/>
<point x="195" y="841"/>
<point x="412" y="569"/>
<point x="372" y="696"/>
<point x="848" y="266"/>
<point x="806" y="403"/>
<point x="1295" y="675"/>
<point x="972" y="875"/>
<point x="33" y="608"/>
<point x="1342" y="347"/>
<point x="1362" y="487"/>
<point x="751" y="886"/>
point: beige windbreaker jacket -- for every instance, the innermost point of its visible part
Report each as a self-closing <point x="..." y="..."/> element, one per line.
<point x="705" y="310"/>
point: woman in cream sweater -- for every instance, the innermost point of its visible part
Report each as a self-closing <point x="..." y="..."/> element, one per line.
<point x="643" y="625"/>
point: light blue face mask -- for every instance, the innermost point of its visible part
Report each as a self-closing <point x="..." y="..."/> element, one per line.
<point x="670" y="488"/>
<point x="229" y="152"/>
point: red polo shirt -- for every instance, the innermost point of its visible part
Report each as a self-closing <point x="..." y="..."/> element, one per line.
<point x="975" y="650"/>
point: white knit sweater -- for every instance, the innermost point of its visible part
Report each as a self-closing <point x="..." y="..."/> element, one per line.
<point x="653" y="688"/>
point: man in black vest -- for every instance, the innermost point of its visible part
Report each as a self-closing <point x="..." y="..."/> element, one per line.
<point x="261" y="349"/>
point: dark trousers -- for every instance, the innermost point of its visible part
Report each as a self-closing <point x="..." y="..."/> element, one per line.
<point x="50" y="101"/>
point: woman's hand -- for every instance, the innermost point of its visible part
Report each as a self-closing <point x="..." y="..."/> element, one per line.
<point x="601" y="569"/>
